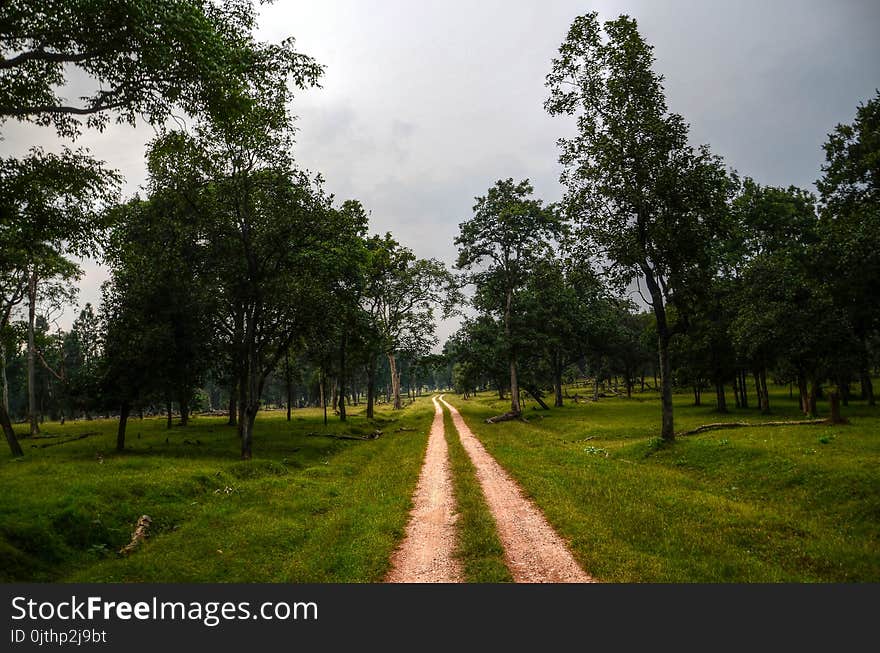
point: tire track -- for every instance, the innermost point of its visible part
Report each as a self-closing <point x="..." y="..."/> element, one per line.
<point x="426" y="554"/>
<point x="534" y="551"/>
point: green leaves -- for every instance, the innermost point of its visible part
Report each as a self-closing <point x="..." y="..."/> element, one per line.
<point x="148" y="58"/>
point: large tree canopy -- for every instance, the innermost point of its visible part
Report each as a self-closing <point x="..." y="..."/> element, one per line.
<point x="135" y="58"/>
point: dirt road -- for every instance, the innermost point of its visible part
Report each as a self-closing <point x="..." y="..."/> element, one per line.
<point x="426" y="554"/>
<point x="533" y="550"/>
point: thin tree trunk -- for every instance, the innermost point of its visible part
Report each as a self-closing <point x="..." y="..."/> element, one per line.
<point x="804" y="397"/>
<point x="765" y="395"/>
<point x="184" y="411"/>
<point x="4" y="398"/>
<point x="720" y="397"/>
<point x="371" y="387"/>
<point x="737" y="400"/>
<point x="233" y="413"/>
<point x="667" y="431"/>
<point x="557" y="380"/>
<point x="247" y="431"/>
<point x="814" y="396"/>
<point x="124" y="409"/>
<point x="536" y="395"/>
<point x="743" y="389"/>
<point x="867" y="386"/>
<point x="321" y="389"/>
<point x="697" y="396"/>
<point x="287" y="383"/>
<point x="514" y="384"/>
<point x="11" y="440"/>
<point x="342" y="380"/>
<point x="31" y="353"/>
<point x="395" y="381"/>
<point x="169" y="414"/>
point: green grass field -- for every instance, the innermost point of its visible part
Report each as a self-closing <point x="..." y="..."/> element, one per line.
<point x="306" y="508"/>
<point x="763" y="504"/>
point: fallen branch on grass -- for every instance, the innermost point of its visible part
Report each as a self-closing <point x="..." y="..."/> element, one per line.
<point x="506" y="417"/>
<point x="373" y="436"/>
<point x="141" y="532"/>
<point x="55" y="444"/>
<point x="735" y="425"/>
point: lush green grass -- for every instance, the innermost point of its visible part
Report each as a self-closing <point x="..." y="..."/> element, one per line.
<point x="765" y="504"/>
<point x="306" y="509"/>
<point x="478" y="549"/>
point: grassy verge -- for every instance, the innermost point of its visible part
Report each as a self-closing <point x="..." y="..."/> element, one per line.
<point x="762" y="504"/>
<point x="479" y="550"/>
<point x="306" y="509"/>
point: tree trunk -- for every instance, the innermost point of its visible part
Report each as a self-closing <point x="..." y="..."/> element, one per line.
<point x="867" y="386"/>
<point x="720" y="398"/>
<point x="371" y="387"/>
<point x="536" y="395"/>
<point x="814" y="396"/>
<point x="514" y="384"/>
<point x="124" y="409"/>
<point x="395" y="381"/>
<point x="322" y="382"/>
<point x="342" y="379"/>
<point x="184" y="411"/>
<point x="4" y="397"/>
<point x="31" y="353"/>
<point x="743" y="389"/>
<point x="697" y="395"/>
<point x="667" y="431"/>
<point x="247" y="429"/>
<point x="596" y="388"/>
<point x="11" y="440"/>
<point x="169" y="414"/>
<point x="804" y="396"/>
<point x="765" y="395"/>
<point x="844" y="392"/>
<point x="737" y="398"/>
<point x="514" y="387"/>
<point x="557" y="381"/>
<point x="233" y="413"/>
<point x="287" y="383"/>
<point x="835" y="408"/>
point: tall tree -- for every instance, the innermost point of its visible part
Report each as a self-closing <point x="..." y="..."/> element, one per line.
<point x="49" y="212"/>
<point x="644" y="198"/>
<point x="850" y="230"/>
<point x="401" y="294"/>
<point x="498" y="246"/>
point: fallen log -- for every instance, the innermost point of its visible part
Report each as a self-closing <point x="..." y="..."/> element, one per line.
<point x="55" y="444"/>
<point x="506" y="417"/>
<point x="734" y="425"/>
<point x="373" y="436"/>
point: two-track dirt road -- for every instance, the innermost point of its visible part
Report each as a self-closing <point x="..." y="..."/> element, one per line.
<point x="534" y="552"/>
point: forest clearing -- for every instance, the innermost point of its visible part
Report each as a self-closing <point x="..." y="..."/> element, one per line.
<point x="530" y="327"/>
<point x="771" y="504"/>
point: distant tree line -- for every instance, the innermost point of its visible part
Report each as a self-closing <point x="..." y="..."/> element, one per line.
<point x="742" y="282"/>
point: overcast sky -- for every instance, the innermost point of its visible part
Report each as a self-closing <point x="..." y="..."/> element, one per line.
<point x="425" y="104"/>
